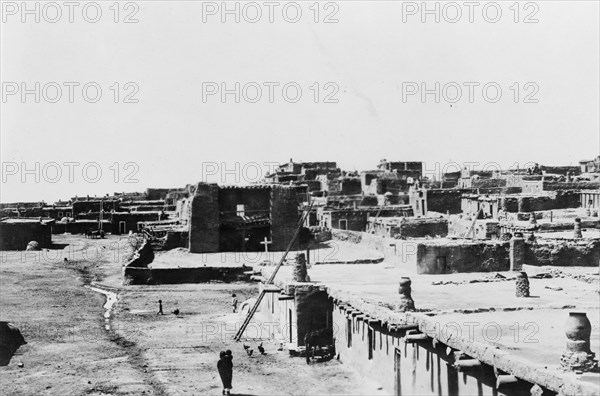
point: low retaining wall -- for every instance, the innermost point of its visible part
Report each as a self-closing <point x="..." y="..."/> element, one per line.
<point x="155" y="276"/>
<point x="143" y="256"/>
<point x="564" y="254"/>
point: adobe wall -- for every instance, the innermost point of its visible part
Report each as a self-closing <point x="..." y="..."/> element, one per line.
<point x="255" y="200"/>
<point x="80" y="226"/>
<point x="488" y="183"/>
<point x="142" y="255"/>
<point x="280" y="309"/>
<point x="157" y="276"/>
<point x="355" y="220"/>
<point x="562" y="200"/>
<point x="564" y="254"/>
<point x="16" y="236"/>
<point x="399" y="252"/>
<point x="204" y="219"/>
<point x="403" y="369"/>
<point x="483" y="229"/>
<point x="444" y="200"/>
<point x="175" y="239"/>
<point x="313" y="309"/>
<point x="284" y="214"/>
<point x="131" y="219"/>
<point x="419" y="228"/>
<point x="553" y="186"/>
<point x="350" y="186"/>
<point x="461" y="256"/>
<point x="94" y="206"/>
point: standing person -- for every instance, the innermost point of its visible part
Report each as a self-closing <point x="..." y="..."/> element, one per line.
<point x="234" y="302"/>
<point x="222" y="371"/>
<point x="160" y="311"/>
<point x="228" y="365"/>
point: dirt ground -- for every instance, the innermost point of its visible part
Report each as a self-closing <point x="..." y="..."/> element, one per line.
<point x="70" y="352"/>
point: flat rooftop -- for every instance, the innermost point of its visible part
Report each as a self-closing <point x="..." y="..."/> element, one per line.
<point x="525" y="334"/>
<point x="335" y="253"/>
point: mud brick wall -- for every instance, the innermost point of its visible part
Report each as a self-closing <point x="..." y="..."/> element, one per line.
<point x="350" y="186"/>
<point x="204" y="219"/>
<point x="16" y="236"/>
<point x="488" y="183"/>
<point x="157" y="193"/>
<point x="157" y="276"/>
<point x="356" y="219"/>
<point x="80" y="227"/>
<point x="313" y="310"/>
<point x="142" y="256"/>
<point x="509" y="204"/>
<point x="562" y="200"/>
<point x="391" y="185"/>
<point x="422" y="228"/>
<point x="131" y="220"/>
<point x="553" y="186"/>
<point x="284" y="214"/>
<point x="80" y="207"/>
<point x="255" y="200"/>
<point x="175" y="239"/>
<point x="442" y="200"/>
<point x="462" y="257"/>
<point x="567" y="199"/>
<point x="564" y="254"/>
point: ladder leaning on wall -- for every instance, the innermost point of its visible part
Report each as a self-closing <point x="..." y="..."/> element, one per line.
<point x="252" y="311"/>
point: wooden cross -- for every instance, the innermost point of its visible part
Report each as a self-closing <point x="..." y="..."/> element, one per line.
<point x="266" y="242"/>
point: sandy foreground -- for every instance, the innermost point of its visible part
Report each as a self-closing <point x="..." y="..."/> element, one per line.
<point x="74" y="350"/>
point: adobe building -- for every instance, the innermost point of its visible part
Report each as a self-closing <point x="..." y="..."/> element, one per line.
<point x="239" y="218"/>
<point x="590" y="199"/>
<point x="414" y="340"/>
<point x="408" y="227"/>
<point x="590" y="166"/>
<point x="57" y="212"/>
<point x="356" y="219"/>
<point x="15" y="234"/>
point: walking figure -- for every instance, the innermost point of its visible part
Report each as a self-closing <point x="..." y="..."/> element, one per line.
<point x="160" y="311"/>
<point x="225" y="367"/>
<point x="234" y="302"/>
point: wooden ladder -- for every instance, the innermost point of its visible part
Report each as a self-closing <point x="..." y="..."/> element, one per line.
<point x="252" y="311"/>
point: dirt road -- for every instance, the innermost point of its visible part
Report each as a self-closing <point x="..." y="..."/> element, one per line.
<point x="69" y="351"/>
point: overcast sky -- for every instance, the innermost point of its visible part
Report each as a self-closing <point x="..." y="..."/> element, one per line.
<point x="372" y="57"/>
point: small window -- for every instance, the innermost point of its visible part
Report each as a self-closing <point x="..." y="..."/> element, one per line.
<point x="343" y="224"/>
<point x="60" y="214"/>
<point x="68" y="214"/>
<point x="240" y="210"/>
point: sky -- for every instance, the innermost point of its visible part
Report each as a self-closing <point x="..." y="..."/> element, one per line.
<point x="330" y="81"/>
